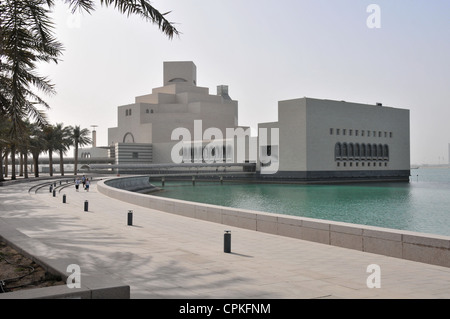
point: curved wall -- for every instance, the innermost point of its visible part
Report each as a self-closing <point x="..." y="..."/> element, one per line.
<point x="427" y="248"/>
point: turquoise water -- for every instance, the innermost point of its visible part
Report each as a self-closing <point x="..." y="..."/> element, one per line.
<point x="423" y="205"/>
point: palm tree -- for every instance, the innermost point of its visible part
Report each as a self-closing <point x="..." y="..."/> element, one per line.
<point x="24" y="149"/>
<point x="51" y="144"/>
<point x="37" y="145"/>
<point x="27" y="38"/>
<point x="142" y="8"/>
<point x="80" y="137"/>
<point x="4" y="142"/>
<point x="62" y="137"/>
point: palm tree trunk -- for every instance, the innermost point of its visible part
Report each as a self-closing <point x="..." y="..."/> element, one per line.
<point x="50" y="162"/>
<point x="6" y="162"/>
<point x="25" y="169"/>
<point x="61" y="164"/>
<point x="36" y="165"/>
<point x="1" y="165"/>
<point x="21" y="164"/>
<point x="13" y="161"/>
<point x="75" y="167"/>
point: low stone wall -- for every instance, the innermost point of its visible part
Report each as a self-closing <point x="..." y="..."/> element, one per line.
<point x="426" y="248"/>
<point x="92" y="286"/>
<point x="138" y="184"/>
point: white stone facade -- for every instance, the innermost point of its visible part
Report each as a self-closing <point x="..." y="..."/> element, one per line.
<point x="324" y="139"/>
<point x="316" y="139"/>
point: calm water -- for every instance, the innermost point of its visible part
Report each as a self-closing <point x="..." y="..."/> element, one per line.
<point x="422" y="205"/>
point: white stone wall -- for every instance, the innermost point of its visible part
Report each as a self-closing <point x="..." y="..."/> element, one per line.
<point x="310" y="129"/>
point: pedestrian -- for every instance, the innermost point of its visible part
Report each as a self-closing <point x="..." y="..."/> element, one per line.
<point x="77" y="184"/>
<point x="87" y="185"/>
<point x="83" y="181"/>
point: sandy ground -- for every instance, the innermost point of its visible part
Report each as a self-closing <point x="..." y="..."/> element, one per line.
<point x="18" y="272"/>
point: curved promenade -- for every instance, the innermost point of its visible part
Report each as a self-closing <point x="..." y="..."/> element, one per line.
<point x="164" y="255"/>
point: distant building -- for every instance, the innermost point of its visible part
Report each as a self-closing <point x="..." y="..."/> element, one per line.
<point x="324" y="139"/>
<point x="312" y="140"/>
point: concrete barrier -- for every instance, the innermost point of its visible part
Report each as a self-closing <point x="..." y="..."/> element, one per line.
<point x="420" y="247"/>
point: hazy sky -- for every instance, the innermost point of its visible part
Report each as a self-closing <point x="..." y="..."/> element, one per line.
<point x="265" y="51"/>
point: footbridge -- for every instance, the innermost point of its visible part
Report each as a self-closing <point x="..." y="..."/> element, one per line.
<point x="173" y="169"/>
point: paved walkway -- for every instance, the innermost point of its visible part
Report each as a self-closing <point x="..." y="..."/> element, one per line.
<point x="169" y="256"/>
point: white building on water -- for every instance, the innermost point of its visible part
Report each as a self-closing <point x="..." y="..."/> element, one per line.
<point x="313" y="139"/>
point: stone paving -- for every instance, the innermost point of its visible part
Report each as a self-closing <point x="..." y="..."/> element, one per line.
<point x="169" y="256"/>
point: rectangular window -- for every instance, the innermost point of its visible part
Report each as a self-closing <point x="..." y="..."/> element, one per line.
<point x="135" y="155"/>
<point x="368" y="133"/>
<point x="356" y="132"/>
<point x="390" y="134"/>
<point x="362" y="133"/>
<point x="331" y="131"/>
<point x="344" y="131"/>
<point x="350" y="132"/>
<point x="338" y="131"/>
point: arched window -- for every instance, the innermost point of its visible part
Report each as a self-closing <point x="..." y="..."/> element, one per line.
<point x="374" y="151"/>
<point x="351" y="151"/>
<point x="357" y="151"/>
<point x="363" y="151"/>
<point x="128" y="138"/>
<point x="380" y="151"/>
<point x="386" y="152"/>
<point x="344" y="151"/>
<point x="337" y="151"/>
<point x="368" y="151"/>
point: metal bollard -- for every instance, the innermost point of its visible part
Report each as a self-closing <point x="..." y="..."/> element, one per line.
<point x="64" y="198"/>
<point x="54" y="192"/>
<point x="130" y="218"/>
<point x="86" y="205"/>
<point x="51" y="188"/>
<point x="227" y="241"/>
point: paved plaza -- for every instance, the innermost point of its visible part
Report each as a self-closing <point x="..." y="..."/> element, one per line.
<point x="170" y="256"/>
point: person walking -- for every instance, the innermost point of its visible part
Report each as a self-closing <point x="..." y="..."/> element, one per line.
<point x="77" y="184"/>
<point x="87" y="185"/>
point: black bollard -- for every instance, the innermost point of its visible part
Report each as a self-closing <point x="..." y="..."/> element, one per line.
<point x="51" y="188"/>
<point x="227" y="241"/>
<point x="54" y="192"/>
<point x="130" y="218"/>
<point x="64" y="198"/>
<point x="86" y="205"/>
